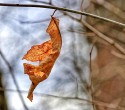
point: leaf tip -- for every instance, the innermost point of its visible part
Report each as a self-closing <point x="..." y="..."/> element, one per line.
<point x="30" y="97"/>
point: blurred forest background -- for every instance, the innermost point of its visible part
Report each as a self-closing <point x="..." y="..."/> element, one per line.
<point x="90" y="71"/>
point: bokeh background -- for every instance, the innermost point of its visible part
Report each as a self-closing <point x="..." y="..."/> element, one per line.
<point x="73" y="82"/>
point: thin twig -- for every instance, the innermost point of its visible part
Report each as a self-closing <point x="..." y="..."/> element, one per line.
<point x="14" y="80"/>
<point x="63" y="9"/>
<point x="53" y="12"/>
<point x="91" y="57"/>
<point x="91" y="82"/>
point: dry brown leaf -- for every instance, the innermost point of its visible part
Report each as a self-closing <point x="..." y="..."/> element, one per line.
<point x="46" y="54"/>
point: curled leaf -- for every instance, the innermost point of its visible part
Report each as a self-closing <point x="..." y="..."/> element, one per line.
<point x="46" y="54"/>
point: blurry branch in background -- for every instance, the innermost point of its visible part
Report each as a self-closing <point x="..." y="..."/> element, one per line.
<point x="99" y="34"/>
<point x="104" y="37"/>
<point x="117" y="11"/>
<point x="119" y="55"/>
<point x="62" y="9"/>
<point x="103" y="104"/>
<point x="14" y="80"/>
<point x="85" y="33"/>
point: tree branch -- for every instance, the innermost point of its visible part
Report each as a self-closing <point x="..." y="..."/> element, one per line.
<point x="63" y="9"/>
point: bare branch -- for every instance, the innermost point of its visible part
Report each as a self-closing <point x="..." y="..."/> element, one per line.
<point x="63" y="9"/>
